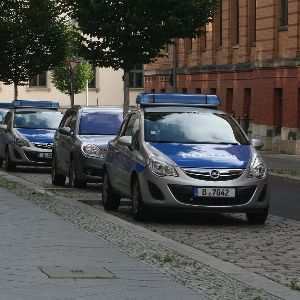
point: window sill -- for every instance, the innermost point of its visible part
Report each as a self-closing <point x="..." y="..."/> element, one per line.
<point x="283" y="28"/>
<point x="37" y="89"/>
<point x="237" y="46"/>
<point x="203" y="50"/>
<point x="219" y="48"/>
<point x="136" y="88"/>
<point x="94" y="90"/>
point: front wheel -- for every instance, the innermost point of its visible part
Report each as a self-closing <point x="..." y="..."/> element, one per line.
<point x="110" y="200"/>
<point x="9" y="165"/>
<point x="73" y="180"/>
<point x="139" y="210"/>
<point x="258" y="217"/>
<point x="56" y="178"/>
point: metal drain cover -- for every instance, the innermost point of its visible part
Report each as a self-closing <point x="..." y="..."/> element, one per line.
<point x="76" y="272"/>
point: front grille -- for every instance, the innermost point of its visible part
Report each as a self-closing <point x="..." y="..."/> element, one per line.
<point x="43" y="145"/>
<point x="185" y="194"/>
<point x="33" y="156"/>
<point x="205" y="174"/>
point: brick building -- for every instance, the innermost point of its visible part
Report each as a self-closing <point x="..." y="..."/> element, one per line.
<point x="250" y="57"/>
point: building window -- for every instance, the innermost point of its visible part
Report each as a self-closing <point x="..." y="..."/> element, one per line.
<point x="184" y="90"/>
<point x="235" y="28"/>
<point x="252" y="22"/>
<point x="278" y="110"/>
<point x="136" y="77"/>
<point x="38" y="81"/>
<point x="219" y="27"/>
<point x="229" y="100"/>
<point x="92" y="83"/>
<point x="198" y="91"/>
<point x="213" y="91"/>
<point x="284" y="12"/>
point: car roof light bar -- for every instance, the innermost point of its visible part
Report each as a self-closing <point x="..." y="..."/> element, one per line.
<point x="5" y="104"/>
<point x="170" y="99"/>
<point x="34" y="103"/>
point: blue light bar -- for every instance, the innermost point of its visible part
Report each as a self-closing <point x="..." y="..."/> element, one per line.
<point x="166" y="99"/>
<point x="5" y="104"/>
<point x="35" y="103"/>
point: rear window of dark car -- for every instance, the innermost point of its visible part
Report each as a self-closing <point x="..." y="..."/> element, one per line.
<point x="100" y="123"/>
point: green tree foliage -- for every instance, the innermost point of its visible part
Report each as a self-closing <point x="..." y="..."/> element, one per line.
<point x="123" y="33"/>
<point x="33" y="39"/>
<point x="61" y="77"/>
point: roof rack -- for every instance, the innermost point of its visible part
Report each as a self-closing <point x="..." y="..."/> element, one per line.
<point x="34" y="103"/>
<point x="172" y="99"/>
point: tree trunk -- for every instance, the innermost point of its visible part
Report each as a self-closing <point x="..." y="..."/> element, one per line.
<point x="126" y="93"/>
<point x="15" y="91"/>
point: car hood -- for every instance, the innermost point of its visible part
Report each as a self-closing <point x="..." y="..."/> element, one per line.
<point x="37" y="135"/>
<point x="99" y="140"/>
<point x="206" y="155"/>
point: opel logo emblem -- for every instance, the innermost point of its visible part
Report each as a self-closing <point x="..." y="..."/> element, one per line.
<point x="49" y="145"/>
<point x="214" y="174"/>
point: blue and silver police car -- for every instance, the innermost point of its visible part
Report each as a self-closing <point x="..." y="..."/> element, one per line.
<point x="177" y="151"/>
<point x="27" y="133"/>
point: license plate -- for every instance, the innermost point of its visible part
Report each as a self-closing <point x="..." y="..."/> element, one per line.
<point x="45" y="155"/>
<point x="215" y="192"/>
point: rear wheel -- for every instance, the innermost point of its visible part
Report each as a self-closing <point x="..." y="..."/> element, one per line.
<point x="9" y="165"/>
<point x="258" y="217"/>
<point x="110" y="200"/>
<point x="139" y="210"/>
<point x="57" y="179"/>
<point x="73" y="180"/>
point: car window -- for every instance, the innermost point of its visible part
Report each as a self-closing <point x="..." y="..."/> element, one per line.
<point x="192" y="128"/>
<point x="133" y="125"/>
<point x="73" y="122"/>
<point x="42" y="119"/>
<point x="100" y="122"/>
<point x="8" y="118"/>
<point x="3" y="113"/>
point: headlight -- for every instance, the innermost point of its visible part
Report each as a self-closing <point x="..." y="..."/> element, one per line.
<point x="21" y="142"/>
<point x="93" y="150"/>
<point x="257" y="168"/>
<point x="161" y="168"/>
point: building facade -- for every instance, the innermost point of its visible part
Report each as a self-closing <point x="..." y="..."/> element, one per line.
<point x="105" y="89"/>
<point x="250" y="57"/>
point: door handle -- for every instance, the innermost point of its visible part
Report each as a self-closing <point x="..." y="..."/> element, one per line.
<point x="117" y="151"/>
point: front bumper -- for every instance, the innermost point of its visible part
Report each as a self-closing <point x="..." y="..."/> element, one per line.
<point x="178" y="193"/>
<point x="89" y="169"/>
<point x="31" y="156"/>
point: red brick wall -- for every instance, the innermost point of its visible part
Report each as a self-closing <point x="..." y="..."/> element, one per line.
<point x="273" y="45"/>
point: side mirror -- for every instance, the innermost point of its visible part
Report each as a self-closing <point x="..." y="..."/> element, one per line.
<point x="65" y="130"/>
<point x="257" y="143"/>
<point x="3" y="127"/>
<point x="125" y="141"/>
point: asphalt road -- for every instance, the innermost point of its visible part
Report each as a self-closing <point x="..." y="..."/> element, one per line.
<point x="285" y="198"/>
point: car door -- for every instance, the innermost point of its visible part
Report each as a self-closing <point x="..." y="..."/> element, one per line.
<point x="62" y="142"/>
<point x="4" y="134"/>
<point x="125" y="161"/>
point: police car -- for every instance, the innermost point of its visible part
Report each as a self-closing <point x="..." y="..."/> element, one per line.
<point x="26" y="136"/>
<point x="177" y="151"/>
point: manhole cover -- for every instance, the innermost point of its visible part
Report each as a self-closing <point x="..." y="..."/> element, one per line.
<point x="77" y="272"/>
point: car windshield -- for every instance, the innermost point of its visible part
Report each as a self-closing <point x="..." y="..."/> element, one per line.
<point x="193" y="127"/>
<point x="37" y="119"/>
<point x="100" y="123"/>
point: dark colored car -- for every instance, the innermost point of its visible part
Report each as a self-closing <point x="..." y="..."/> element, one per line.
<point x="27" y="133"/>
<point x="4" y="108"/>
<point x="80" y="144"/>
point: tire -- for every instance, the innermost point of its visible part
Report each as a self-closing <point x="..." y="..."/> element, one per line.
<point x="57" y="179"/>
<point x="258" y="217"/>
<point x="139" y="210"/>
<point x="9" y="165"/>
<point x="110" y="200"/>
<point x="74" y="182"/>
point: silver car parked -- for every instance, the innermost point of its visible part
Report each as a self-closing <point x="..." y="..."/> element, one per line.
<point x="178" y="152"/>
